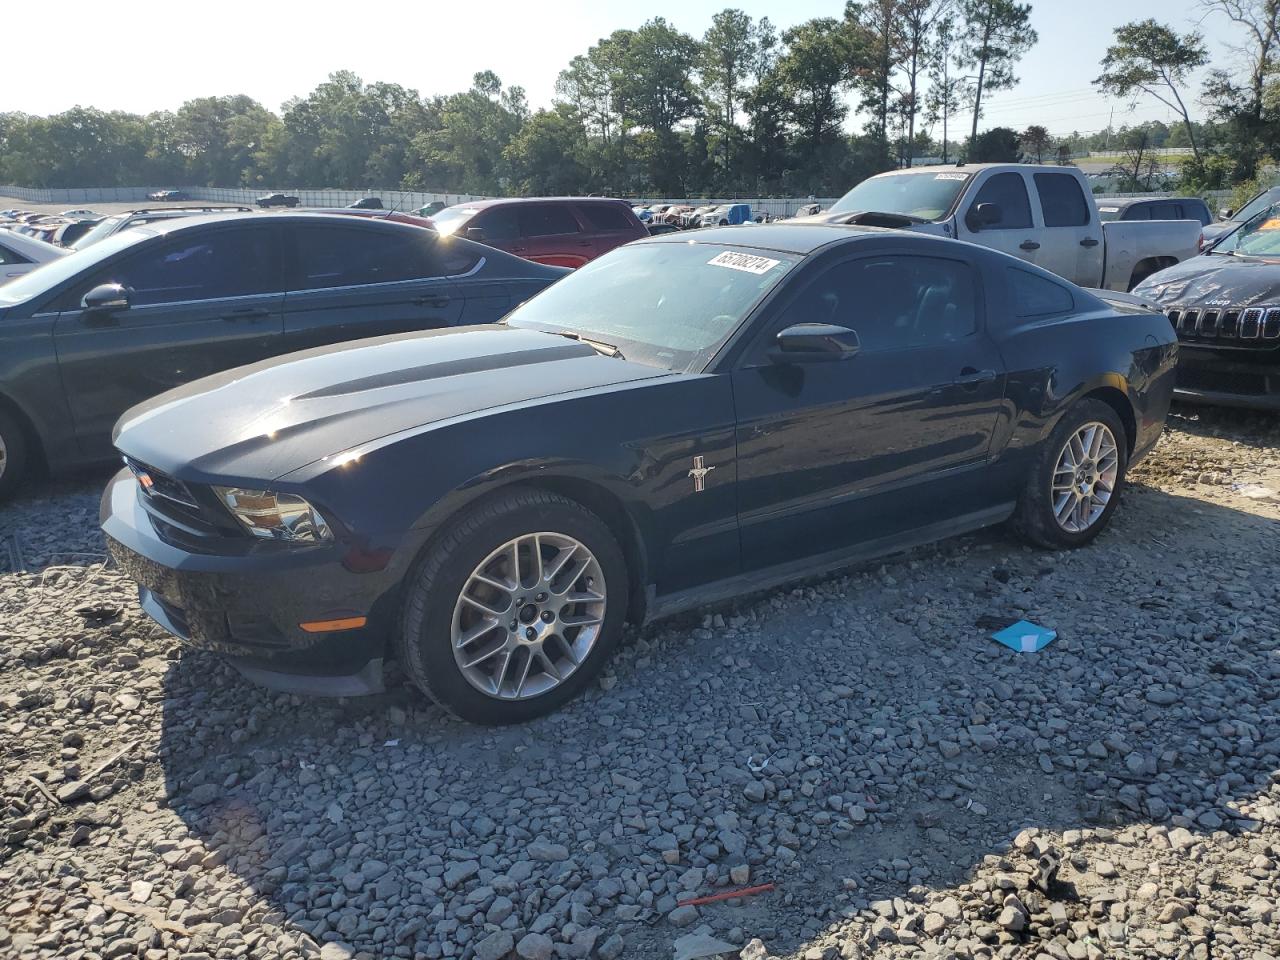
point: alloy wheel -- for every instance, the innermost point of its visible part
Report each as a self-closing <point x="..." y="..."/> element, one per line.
<point x="1084" y="479"/>
<point x="528" y="616"/>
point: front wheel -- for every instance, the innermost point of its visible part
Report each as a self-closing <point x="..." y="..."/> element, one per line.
<point x="1075" y="484"/>
<point x="515" y="608"/>
<point x="13" y="454"/>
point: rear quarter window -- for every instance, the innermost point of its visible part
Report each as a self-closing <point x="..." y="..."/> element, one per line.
<point x="1032" y="295"/>
<point x="606" y="217"/>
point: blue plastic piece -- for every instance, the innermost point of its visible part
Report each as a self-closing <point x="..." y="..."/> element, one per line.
<point x="1025" y="637"/>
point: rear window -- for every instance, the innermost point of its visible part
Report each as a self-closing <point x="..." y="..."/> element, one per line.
<point x="606" y="216"/>
<point x="1061" y="200"/>
<point x="1037" y="296"/>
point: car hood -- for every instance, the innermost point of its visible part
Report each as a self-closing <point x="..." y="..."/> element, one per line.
<point x="268" y="419"/>
<point x="1214" y="281"/>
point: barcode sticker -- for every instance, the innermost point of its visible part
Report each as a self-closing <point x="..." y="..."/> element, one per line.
<point x="746" y="262"/>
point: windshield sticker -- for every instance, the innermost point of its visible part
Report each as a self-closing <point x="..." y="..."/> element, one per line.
<point x="744" y="262"/>
<point x="951" y="176"/>
<point x="1272" y="224"/>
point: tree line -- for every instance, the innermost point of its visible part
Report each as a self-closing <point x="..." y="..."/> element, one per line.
<point x="744" y="109"/>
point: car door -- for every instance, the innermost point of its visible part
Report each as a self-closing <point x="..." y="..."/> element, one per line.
<point x="551" y="234"/>
<point x="12" y="263"/>
<point x="1015" y="232"/>
<point x="348" y="282"/>
<point x="893" y="439"/>
<point x="1071" y="241"/>
<point x="200" y="302"/>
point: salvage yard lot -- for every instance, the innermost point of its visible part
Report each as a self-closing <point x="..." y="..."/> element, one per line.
<point x="156" y="805"/>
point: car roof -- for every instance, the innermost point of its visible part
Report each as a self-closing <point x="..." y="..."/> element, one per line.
<point x="478" y="204"/>
<point x="784" y="237"/>
<point x="303" y="216"/>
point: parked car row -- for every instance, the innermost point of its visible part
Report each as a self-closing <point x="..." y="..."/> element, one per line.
<point x="335" y="456"/>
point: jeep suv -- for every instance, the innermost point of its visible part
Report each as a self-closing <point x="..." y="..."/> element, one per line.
<point x="560" y="231"/>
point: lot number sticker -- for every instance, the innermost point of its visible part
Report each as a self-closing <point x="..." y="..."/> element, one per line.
<point x="951" y="176"/>
<point x="745" y="262"/>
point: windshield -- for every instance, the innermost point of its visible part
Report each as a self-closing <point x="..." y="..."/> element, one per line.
<point x="450" y="219"/>
<point x="1259" y="237"/>
<point x="49" y="275"/>
<point x="670" y="305"/>
<point x="924" y="196"/>
<point x="1255" y="206"/>
<point x="103" y="229"/>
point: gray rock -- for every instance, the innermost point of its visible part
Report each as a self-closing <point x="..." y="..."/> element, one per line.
<point x="495" y="946"/>
<point x="546" y="852"/>
<point x="535" y="946"/>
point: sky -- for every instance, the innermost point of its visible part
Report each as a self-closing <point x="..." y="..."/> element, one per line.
<point x="140" y="55"/>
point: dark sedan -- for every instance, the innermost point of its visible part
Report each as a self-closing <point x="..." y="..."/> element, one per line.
<point x="1225" y="307"/>
<point x="153" y="307"/>
<point x="678" y="422"/>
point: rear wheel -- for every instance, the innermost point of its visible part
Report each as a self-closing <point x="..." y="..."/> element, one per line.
<point x="13" y="454"/>
<point x="1075" y="485"/>
<point x="515" y="609"/>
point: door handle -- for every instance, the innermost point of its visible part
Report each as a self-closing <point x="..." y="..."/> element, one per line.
<point x="584" y="243"/>
<point x="1029" y="245"/>
<point x="431" y="301"/>
<point x="247" y="313"/>
<point x="1089" y="242"/>
<point x="970" y="377"/>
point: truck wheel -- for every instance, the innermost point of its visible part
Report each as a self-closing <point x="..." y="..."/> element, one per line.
<point x="515" y="609"/>
<point x="1075" y="483"/>
<point x="13" y="454"/>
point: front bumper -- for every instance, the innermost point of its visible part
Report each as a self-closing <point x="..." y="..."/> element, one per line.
<point x="248" y="605"/>
<point x="1209" y="377"/>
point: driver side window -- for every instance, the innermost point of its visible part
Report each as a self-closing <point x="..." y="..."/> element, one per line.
<point x="891" y="302"/>
<point x="1008" y="191"/>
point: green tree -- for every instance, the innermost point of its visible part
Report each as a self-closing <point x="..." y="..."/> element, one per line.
<point x="546" y="155"/>
<point x="466" y="149"/>
<point x="1148" y="57"/>
<point x="814" y="70"/>
<point x="725" y="65"/>
<point x="1036" y="140"/>
<point x="997" y="145"/>
<point x="220" y="138"/>
<point x="1238" y="98"/>
<point x="995" y="35"/>
<point x="920" y="20"/>
<point x="946" y="90"/>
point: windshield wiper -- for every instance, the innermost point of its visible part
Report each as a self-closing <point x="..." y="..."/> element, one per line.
<point x="599" y="346"/>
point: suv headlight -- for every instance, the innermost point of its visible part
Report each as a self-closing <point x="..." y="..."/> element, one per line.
<point x="275" y="516"/>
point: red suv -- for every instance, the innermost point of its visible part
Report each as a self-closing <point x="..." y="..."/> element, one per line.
<point x="560" y="231"/>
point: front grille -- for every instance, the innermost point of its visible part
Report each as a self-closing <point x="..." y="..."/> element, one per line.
<point x="1233" y="327"/>
<point x="173" y="507"/>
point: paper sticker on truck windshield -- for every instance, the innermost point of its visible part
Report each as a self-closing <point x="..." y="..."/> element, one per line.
<point x="952" y="176"/>
<point x="745" y="262"/>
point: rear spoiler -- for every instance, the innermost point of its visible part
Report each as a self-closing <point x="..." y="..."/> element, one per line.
<point x="1126" y="299"/>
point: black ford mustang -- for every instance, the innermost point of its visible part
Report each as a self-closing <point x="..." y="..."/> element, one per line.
<point x="677" y="422"/>
<point x="1225" y="307"/>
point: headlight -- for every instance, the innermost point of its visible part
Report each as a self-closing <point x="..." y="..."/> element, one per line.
<point x="275" y="516"/>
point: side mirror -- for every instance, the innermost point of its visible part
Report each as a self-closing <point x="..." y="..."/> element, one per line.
<point x="1225" y="213"/>
<point x="984" y="215"/>
<point x="814" y="342"/>
<point x="106" y="296"/>
<point x="476" y="234"/>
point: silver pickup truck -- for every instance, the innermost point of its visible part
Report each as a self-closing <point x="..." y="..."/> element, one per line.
<point x="1043" y="214"/>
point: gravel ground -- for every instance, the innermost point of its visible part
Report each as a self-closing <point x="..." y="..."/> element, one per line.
<point x="859" y="742"/>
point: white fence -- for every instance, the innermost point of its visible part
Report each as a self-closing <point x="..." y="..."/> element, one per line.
<point x="336" y="197"/>
<point x="411" y="200"/>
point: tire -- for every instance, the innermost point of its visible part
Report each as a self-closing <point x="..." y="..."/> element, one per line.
<point x="13" y="454"/>
<point x="1036" y="518"/>
<point x="479" y="541"/>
